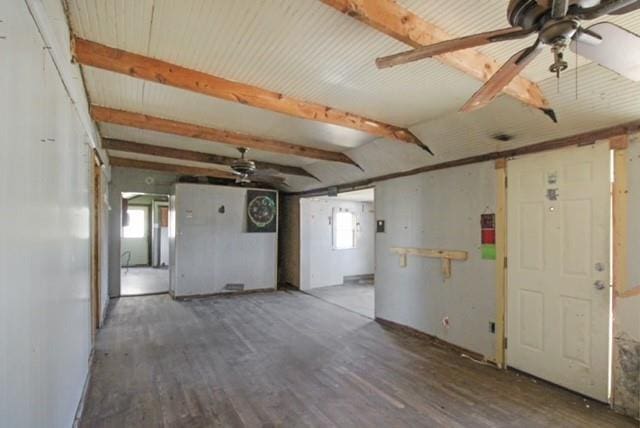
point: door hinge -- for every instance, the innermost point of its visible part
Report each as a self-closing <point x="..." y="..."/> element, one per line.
<point x="506" y="181"/>
<point x="506" y="264"/>
<point x="506" y="342"/>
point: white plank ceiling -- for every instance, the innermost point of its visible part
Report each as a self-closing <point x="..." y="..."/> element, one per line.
<point x="308" y="50"/>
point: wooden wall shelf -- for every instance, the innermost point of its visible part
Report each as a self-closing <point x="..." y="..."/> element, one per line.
<point x="444" y="255"/>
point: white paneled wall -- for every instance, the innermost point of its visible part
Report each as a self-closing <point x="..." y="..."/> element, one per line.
<point x="212" y="247"/>
<point x="438" y="210"/>
<point x="45" y="189"/>
<point x="320" y="264"/>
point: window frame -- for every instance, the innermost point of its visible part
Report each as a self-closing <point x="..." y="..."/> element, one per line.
<point x="130" y="209"/>
<point x="335" y="230"/>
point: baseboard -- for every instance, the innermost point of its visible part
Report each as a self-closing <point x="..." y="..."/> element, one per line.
<point x="366" y="277"/>
<point x="155" y="293"/>
<point x="433" y="339"/>
<point x="85" y="391"/>
<point x="224" y="294"/>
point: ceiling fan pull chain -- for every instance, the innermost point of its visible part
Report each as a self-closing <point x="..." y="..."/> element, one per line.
<point x="577" y="44"/>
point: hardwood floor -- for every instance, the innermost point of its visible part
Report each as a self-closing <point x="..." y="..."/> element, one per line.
<point x="290" y="359"/>
<point x="355" y="297"/>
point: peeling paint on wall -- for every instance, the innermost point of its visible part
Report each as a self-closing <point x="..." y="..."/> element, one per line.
<point x="627" y="376"/>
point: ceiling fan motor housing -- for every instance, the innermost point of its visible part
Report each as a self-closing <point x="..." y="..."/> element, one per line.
<point x="527" y="14"/>
<point x="531" y="15"/>
<point x="559" y="31"/>
<point x="243" y="166"/>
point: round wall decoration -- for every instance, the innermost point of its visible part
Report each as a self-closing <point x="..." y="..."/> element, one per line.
<point x="261" y="211"/>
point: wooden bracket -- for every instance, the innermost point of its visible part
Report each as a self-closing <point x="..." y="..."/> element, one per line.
<point x="444" y="255"/>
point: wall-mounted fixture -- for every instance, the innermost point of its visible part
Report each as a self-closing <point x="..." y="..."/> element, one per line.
<point x="444" y="255"/>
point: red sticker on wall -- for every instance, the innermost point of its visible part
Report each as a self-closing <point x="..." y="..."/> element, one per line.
<point x="488" y="236"/>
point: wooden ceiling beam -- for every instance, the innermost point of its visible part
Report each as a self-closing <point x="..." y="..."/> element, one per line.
<point x="151" y="123"/>
<point x="116" y="60"/>
<point x="173" y="153"/>
<point x="398" y="22"/>
<point x="168" y="167"/>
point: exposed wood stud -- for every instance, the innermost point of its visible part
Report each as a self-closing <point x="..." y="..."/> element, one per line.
<point x="170" y="152"/>
<point x="631" y="292"/>
<point x="398" y="22"/>
<point x="119" y="61"/>
<point x="619" y="142"/>
<point x="620" y="212"/>
<point x="142" y="121"/>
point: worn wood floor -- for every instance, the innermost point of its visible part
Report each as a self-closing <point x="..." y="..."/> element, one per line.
<point x="290" y="359"/>
<point x="355" y="297"/>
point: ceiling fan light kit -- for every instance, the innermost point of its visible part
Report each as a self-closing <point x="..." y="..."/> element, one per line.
<point x="558" y="24"/>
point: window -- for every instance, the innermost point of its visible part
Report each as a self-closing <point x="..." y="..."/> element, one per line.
<point x="136" y="227"/>
<point x="344" y="230"/>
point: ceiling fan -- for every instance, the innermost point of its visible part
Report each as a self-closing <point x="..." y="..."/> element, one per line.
<point x="247" y="172"/>
<point x="558" y="24"/>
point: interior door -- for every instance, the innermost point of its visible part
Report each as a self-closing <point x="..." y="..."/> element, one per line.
<point x="558" y="267"/>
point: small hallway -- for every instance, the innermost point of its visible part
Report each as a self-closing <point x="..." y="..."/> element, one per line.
<point x="337" y="249"/>
<point x="144" y="244"/>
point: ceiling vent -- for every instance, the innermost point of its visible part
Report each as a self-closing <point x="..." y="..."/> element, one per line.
<point x="503" y="137"/>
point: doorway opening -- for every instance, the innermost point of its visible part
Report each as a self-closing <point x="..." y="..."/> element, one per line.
<point x="337" y="245"/>
<point x="144" y="261"/>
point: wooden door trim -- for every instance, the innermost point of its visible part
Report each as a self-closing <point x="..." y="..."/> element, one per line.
<point x="501" y="261"/>
<point x="619" y="144"/>
<point x="96" y="242"/>
<point x="620" y="206"/>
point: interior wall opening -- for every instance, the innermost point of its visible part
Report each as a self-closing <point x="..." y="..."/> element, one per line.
<point x="144" y="258"/>
<point x="337" y="246"/>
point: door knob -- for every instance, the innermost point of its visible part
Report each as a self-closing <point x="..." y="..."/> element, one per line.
<point x="599" y="285"/>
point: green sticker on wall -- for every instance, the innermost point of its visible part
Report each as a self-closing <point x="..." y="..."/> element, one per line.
<point x="488" y="252"/>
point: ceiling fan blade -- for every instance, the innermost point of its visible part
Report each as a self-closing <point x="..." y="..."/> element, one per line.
<point x="269" y="179"/>
<point x="559" y="8"/>
<point x="270" y="172"/>
<point x="627" y="9"/>
<point x="619" y="50"/>
<point x="502" y="77"/>
<point x="606" y="7"/>
<point x="467" y="42"/>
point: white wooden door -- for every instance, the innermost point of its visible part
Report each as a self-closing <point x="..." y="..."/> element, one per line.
<point x="558" y="267"/>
